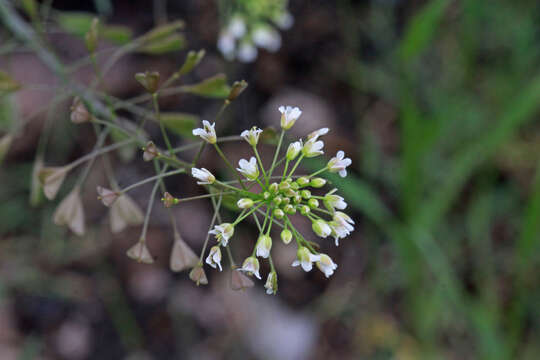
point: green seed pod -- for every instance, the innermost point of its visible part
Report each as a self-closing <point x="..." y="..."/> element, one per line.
<point x="313" y="203"/>
<point x="317" y="182"/>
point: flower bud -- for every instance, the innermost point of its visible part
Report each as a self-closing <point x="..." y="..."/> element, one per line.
<point x="284" y="185"/>
<point x="182" y="256"/>
<point x="306" y="194"/>
<point x="150" y="151"/>
<point x="236" y="89"/>
<point x="169" y="200"/>
<point x="271" y="283"/>
<point x="251" y="136"/>
<point x="289" y="209"/>
<point x="304" y="210"/>
<point x="317" y="182"/>
<point x="79" y="112"/>
<point x="140" y="253"/>
<point x="297" y="199"/>
<point x="285" y="201"/>
<point x="149" y="80"/>
<point x="107" y="196"/>
<point x="295" y="186"/>
<point x="239" y="281"/>
<point x="244" y="203"/>
<point x="266" y="195"/>
<point x="286" y="236"/>
<point x="251" y="266"/>
<point x="279" y="214"/>
<point x="302" y="181"/>
<point x="198" y="275"/>
<point x="313" y="203"/>
<point x="264" y="245"/>
<point x="293" y="150"/>
<point x="273" y="188"/>
<point x="321" y="228"/>
<point x="277" y="200"/>
<point x="91" y="37"/>
<point x="290" y="193"/>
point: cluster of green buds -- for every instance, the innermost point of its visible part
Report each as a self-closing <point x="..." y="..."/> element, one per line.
<point x="278" y="198"/>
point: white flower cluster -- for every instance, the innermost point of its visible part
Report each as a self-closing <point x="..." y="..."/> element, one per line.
<point x="239" y="39"/>
<point x="279" y="200"/>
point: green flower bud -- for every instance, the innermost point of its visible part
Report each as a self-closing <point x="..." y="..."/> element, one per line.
<point x="313" y="203"/>
<point x="285" y="201"/>
<point x="290" y="193"/>
<point x="302" y="181"/>
<point x="277" y="200"/>
<point x="294" y="186"/>
<point x="321" y="228"/>
<point x="149" y="80"/>
<point x="266" y="195"/>
<point x="297" y="199"/>
<point x="284" y="185"/>
<point x="293" y="150"/>
<point x="273" y="188"/>
<point x="317" y="182"/>
<point x="306" y="194"/>
<point x="244" y="203"/>
<point x="279" y="214"/>
<point x="289" y="209"/>
<point x="304" y="210"/>
<point x="286" y="236"/>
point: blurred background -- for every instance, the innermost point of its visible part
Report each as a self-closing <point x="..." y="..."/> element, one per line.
<point x="435" y="101"/>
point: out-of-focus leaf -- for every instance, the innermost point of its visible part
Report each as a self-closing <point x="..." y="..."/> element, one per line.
<point x="127" y="153"/>
<point x="269" y="136"/>
<point x="179" y="123"/>
<point x="193" y="58"/>
<point x="213" y="87"/>
<point x="80" y="23"/>
<point x="422" y="29"/>
<point x="5" y="144"/>
<point x="30" y="7"/>
<point x="162" y="32"/>
<point x="7" y="84"/>
<point x="8" y="113"/>
<point x="36" y="190"/>
<point x="173" y="42"/>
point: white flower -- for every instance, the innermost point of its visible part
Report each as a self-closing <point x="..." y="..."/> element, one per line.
<point x="247" y="52"/>
<point x="237" y="27"/>
<point x="305" y="258"/>
<point x="249" y="168"/>
<point x="267" y="38"/>
<point x="251" y="266"/>
<point x="223" y="233"/>
<point x="339" y="163"/>
<point x="271" y="283"/>
<point x="214" y="257"/>
<point x="341" y="226"/>
<point x="312" y="148"/>
<point x="289" y="115"/>
<point x="284" y="21"/>
<point x="333" y="202"/>
<point x="315" y="134"/>
<point x="294" y="149"/>
<point x="207" y="132"/>
<point x="321" y="228"/>
<point x="264" y="244"/>
<point x="226" y="44"/>
<point x="344" y="220"/>
<point x="326" y="265"/>
<point x="252" y="135"/>
<point x="204" y="175"/>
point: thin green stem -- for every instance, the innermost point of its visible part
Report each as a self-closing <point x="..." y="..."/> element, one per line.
<point x="318" y="172"/>
<point x="161" y="125"/>
<point x="216" y="211"/>
<point x="260" y="164"/>
<point x="276" y="153"/>
<point x="285" y="170"/>
<point x="155" y="177"/>
<point x="296" y="165"/>
<point x="198" y="197"/>
<point x="230" y="166"/>
<point x="150" y="204"/>
<point x="242" y="217"/>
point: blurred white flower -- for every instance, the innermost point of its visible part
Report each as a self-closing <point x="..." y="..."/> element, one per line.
<point x="339" y="163"/>
<point x="223" y="233"/>
<point x="203" y="175"/>
<point x="305" y="259"/>
<point x="226" y="44"/>
<point x="251" y="266"/>
<point x="249" y="168"/>
<point x="264" y="244"/>
<point x="237" y="27"/>
<point x="326" y="265"/>
<point x="289" y="115"/>
<point x="214" y="257"/>
<point x="207" y="132"/>
<point x="251" y="135"/>
<point x="271" y="283"/>
<point x="266" y="37"/>
<point x="312" y="148"/>
<point x="247" y="52"/>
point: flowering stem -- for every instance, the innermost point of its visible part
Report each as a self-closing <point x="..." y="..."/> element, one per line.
<point x="270" y="224"/>
<point x="260" y="183"/>
<point x="98" y="152"/>
<point x="99" y="142"/>
<point x="296" y="165"/>
<point x="242" y="217"/>
<point x="204" y="196"/>
<point x="227" y="186"/>
<point x="319" y="171"/>
<point x="231" y="260"/>
<point x="285" y="170"/>
<point x="260" y="164"/>
<point x="265" y="219"/>
<point x="150" y="203"/>
<point x="161" y="125"/>
<point x="229" y="165"/>
<point x="155" y="177"/>
<point x="323" y="211"/>
<point x="211" y="226"/>
<point x="271" y="263"/>
<point x="276" y="153"/>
